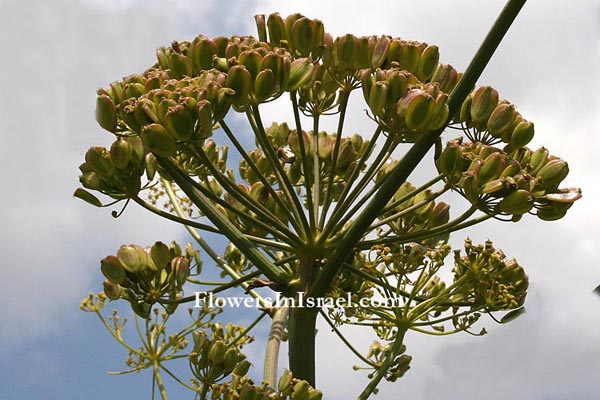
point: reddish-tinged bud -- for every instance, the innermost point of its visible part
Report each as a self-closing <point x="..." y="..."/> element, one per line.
<point x="261" y="27"/>
<point x="264" y="86"/>
<point x="417" y="108"/>
<point x="567" y="196"/>
<point x="181" y="268"/>
<point x="120" y="153"/>
<point x="446" y="76"/>
<point x="484" y="101"/>
<point x="325" y="145"/>
<point x="240" y="80"/>
<point x="409" y="56"/>
<point x="363" y="54"/>
<point x="380" y="51"/>
<point x="112" y="290"/>
<point x="179" y="122"/>
<point x="378" y="97"/>
<point x="304" y="36"/>
<point x="106" y="113"/>
<point x="157" y="140"/>
<point x="294" y="143"/>
<point x="180" y="65"/>
<point x="223" y="103"/>
<point x="397" y="88"/>
<point x="346" y="154"/>
<point x="440" y="214"/>
<point x="202" y="54"/>
<point x="276" y="28"/>
<point x="252" y="60"/>
<point x="300" y="74"/>
<point x="345" y="49"/>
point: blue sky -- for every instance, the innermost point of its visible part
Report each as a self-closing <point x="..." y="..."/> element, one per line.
<point x="56" y="54"/>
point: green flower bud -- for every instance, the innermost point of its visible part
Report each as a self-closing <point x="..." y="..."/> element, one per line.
<point x="409" y="56"/>
<point x="522" y="134"/>
<point x="160" y="254"/>
<point x="518" y="202"/>
<point x="363" y="56"/>
<point x="133" y="90"/>
<point x="106" y="113"/>
<point x="120" y="153"/>
<point x="428" y="62"/>
<point x="91" y="180"/>
<point x="300" y="391"/>
<point x="501" y="119"/>
<point x="157" y="140"/>
<point x="242" y="368"/>
<point x="276" y="28"/>
<point x="484" y="101"/>
<point x="240" y="80"/>
<point x="179" y="122"/>
<point x="87" y="197"/>
<point x="314" y="394"/>
<point x="112" y="290"/>
<point x="113" y="270"/>
<point x="264" y="86"/>
<point x="300" y="74"/>
<point x="100" y="161"/>
<point x="133" y="258"/>
<point x="380" y="50"/>
<point x="285" y="381"/>
<point x="553" y="172"/>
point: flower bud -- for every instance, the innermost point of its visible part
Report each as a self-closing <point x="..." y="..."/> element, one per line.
<point x="363" y="56"/>
<point x="491" y="168"/>
<point x="223" y="102"/>
<point x="106" y="113"/>
<point x="87" y="197"/>
<point x="133" y="258"/>
<point x="261" y="27"/>
<point x="120" y="153"/>
<point x="378" y="97"/>
<point x="240" y="80"/>
<point x="501" y="119"/>
<point x="230" y="360"/>
<point x="202" y="53"/>
<point x="136" y="150"/>
<point x="539" y="158"/>
<point x="252" y="60"/>
<point x="112" y="290"/>
<point x="314" y="394"/>
<point x="450" y="161"/>
<point x="300" y="74"/>
<point x="91" y="180"/>
<point x="417" y="107"/>
<point x="179" y="65"/>
<point x="522" y="134"/>
<point x="113" y="270"/>
<point x="518" y="202"/>
<point x="304" y="36"/>
<point x="484" y="101"/>
<point x="157" y="140"/>
<point x="428" y="62"/>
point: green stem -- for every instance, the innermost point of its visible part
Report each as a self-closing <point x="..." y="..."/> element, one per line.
<point x="346" y="341"/>
<point x="417" y="152"/>
<point x="385" y="366"/>
<point x="303" y="152"/>
<point x="273" y="344"/>
<point x="301" y="328"/>
<point x="314" y="217"/>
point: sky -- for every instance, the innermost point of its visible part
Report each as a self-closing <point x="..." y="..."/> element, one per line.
<point x="56" y="54"/>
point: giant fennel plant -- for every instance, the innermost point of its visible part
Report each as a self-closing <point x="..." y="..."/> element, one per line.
<point x="312" y="214"/>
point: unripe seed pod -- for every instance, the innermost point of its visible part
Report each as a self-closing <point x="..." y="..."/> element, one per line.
<point x="217" y="352"/>
<point x="205" y="119"/>
<point x="553" y="211"/>
<point x="230" y="360"/>
<point x="300" y="391"/>
<point x="304" y="35"/>
<point x="346" y="154"/>
<point x="87" y="197"/>
<point x="446" y="76"/>
<point x="100" y="161"/>
<point x="314" y="394"/>
<point x="136" y="148"/>
<point x="252" y="60"/>
<point x="492" y="167"/>
<point x="380" y="50"/>
<point x="160" y="254"/>
<point x="133" y="258"/>
<point x="112" y="290"/>
<point x="91" y="180"/>
<point x="276" y="28"/>
<point x="553" y="172"/>
<point x="363" y="58"/>
<point x="180" y="65"/>
<point x="567" y="196"/>
<point x="240" y="80"/>
<point x="428" y="62"/>
<point x="285" y="381"/>
<point x="378" y="97"/>
<point x="539" y="158"/>
<point x="501" y="120"/>
<point x="157" y="140"/>
<point x="345" y="49"/>
<point x="484" y="101"/>
<point x="449" y="161"/>
<point x="202" y="54"/>
<point x="417" y="107"/>
<point x="494" y="186"/>
<point x="264" y="86"/>
<point x="106" y="113"/>
<point x="242" y="368"/>
<point x="300" y="74"/>
<point x="440" y="214"/>
<point x="113" y="270"/>
<point x="522" y="134"/>
<point x="397" y="88"/>
<point x="179" y="122"/>
<point x="409" y="56"/>
<point x="518" y="202"/>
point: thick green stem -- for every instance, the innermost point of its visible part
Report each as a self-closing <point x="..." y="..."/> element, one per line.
<point x="301" y="328"/>
<point x="408" y="163"/>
